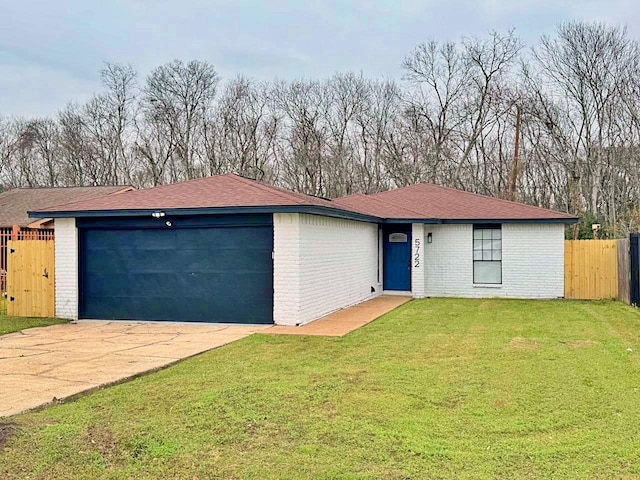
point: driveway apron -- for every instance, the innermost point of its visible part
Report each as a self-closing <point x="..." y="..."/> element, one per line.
<point x="42" y="365"/>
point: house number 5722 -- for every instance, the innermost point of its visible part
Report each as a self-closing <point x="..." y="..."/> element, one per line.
<point x="416" y="254"/>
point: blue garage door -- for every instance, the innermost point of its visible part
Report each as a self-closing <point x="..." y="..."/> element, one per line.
<point x="210" y="274"/>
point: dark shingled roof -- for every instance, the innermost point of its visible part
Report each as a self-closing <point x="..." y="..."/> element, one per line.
<point x="435" y="202"/>
<point x="14" y="204"/>
<point x="422" y="201"/>
<point x="228" y="190"/>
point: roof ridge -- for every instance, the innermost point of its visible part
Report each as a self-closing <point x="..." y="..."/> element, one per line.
<point x="502" y="200"/>
<point x="352" y="195"/>
<point x="488" y="197"/>
<point x="393" y="204"/>
<point x="261" y="186"/>
<point x="155" y="187"/>
<point x="91" y="199"/>
<point x="67" y="187"/>
<point x="291" y="194"/>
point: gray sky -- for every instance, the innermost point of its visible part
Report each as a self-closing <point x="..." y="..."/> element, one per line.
<point x="51" y="50"/>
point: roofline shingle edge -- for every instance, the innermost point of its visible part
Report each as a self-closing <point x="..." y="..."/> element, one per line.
<point x="310" y="209"/>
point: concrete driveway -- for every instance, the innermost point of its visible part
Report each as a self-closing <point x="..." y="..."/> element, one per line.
<point x="40" y="365"/>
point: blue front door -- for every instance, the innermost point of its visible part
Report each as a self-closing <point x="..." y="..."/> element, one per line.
<point x="397" y="258"/>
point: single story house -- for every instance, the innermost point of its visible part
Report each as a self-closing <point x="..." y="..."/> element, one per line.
<point x="231" y="249"/>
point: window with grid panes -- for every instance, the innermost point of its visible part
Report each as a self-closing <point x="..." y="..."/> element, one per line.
<point x="487" y="254"/>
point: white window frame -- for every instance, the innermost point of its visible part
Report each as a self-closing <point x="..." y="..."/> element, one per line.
<point x="493" y="249"/>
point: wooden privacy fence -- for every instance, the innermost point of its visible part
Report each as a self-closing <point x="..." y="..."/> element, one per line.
<point x="596" y="269"/>
<point x="30" y="278"/>
<point x="17" y="233"/>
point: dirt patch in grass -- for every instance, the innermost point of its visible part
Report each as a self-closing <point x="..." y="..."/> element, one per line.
<point x="449" y="402"/>
<point x="7" y="430"/>
<point x="523" y="344"/>
<point x="355" y="377"/>
<point x="578" y="343"/>
<point x="102" y="440"/>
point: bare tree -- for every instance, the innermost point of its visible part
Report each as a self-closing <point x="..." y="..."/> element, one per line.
<point x="179" y="96"/>
<point x="302" y="108"/>
<point x="240" y="134"/>
<point x="562" y="131"/>
<point x="585" y="70"/>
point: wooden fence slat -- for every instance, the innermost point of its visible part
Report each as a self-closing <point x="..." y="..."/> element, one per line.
<point x="624" y="271"/>
<point x="568" y="269"/>
<point x="591" y="269"/>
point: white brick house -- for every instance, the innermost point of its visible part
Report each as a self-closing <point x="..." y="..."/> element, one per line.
<point x="229" y="249"/>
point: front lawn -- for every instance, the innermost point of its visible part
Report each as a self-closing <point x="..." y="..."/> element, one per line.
<point x="15" y="324"/>
<point x="439" y="388"/>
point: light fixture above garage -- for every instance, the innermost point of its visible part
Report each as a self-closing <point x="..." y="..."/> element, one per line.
<point x="158" y="214"/>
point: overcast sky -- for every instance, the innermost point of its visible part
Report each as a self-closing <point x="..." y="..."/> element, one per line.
<point x="51" y="50"/>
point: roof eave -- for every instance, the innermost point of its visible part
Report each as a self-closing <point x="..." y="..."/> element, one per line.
<point x="428" y="221"/>
<point x="309" y="209"/>
<point x="565" y="220"/>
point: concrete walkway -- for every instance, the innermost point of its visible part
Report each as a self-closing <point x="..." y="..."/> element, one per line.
<point x="41" y="365"/>
<point x="346" y="320"/>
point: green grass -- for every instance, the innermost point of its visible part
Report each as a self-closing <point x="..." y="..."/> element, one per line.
<point x="439" y="388"/>
<point x="15" y="324"/>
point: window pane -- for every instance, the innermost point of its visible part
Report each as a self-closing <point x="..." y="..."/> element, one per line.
<point x="477" y="234"/>
<point x="496" y="255"/>
<point x="486" y="244"/>
<point x="496" y="244"/>
<point x="477" y="254"/>
<point x="398" y="238"/>
<point x="486" y="254"/>
<point x="497" y="233"/>
<point x="487" y="272"/>
<point x="486" y="234"/>
<point x="477" y="244"/>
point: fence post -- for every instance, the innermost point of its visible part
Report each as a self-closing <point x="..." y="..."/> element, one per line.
<point x="14" y="232"/>
<point x="634" y="288"/>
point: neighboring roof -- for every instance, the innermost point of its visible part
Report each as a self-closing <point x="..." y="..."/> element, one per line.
<point x="430" y="201"/>
<point x="231" y="193"/>
<point x="14" y="204"/>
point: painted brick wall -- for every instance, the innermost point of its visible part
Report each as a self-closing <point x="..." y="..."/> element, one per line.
<point x="66" y="258"/>
<point x="532" y="262"/>
<point x="286" y="268"/>
<point x="321" y="264"/>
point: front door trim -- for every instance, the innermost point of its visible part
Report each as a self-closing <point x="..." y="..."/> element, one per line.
<point x="397" y="257"/>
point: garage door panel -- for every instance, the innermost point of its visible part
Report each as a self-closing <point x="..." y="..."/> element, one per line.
<point x="174" y="284"/>
<point x="130" y="284"/>
<point x="222" y="260"/>
<point x="221" y="274"/>
<point x="127" y="308"/>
